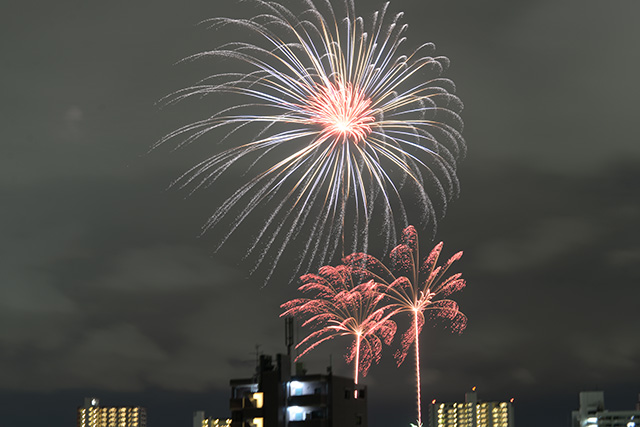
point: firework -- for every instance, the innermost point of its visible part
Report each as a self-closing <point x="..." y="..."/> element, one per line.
<point x="414" y="288"/>
<point x="331" y="125"/>
<point x="341" y="307"/>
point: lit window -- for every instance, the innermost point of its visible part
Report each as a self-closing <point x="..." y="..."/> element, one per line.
<point x="295" y="388"/>
<point x="296" y="413"/>
<point x="258" y="399"/>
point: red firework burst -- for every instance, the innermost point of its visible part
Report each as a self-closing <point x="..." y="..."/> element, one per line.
<point x="414" y="288"/>
<point x="342" y="307"/>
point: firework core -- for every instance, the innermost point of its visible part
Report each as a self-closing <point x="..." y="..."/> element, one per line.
<point x="343" y="112"/>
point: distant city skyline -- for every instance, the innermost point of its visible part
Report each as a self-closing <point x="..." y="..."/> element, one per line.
<point x="590" y="408"/>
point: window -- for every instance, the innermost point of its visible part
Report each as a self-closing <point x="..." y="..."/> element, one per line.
<point x="296" y="388"/>
<point x="296" y="413"/>
<point x="257" y="399"/>
<point x="318" y="414"/>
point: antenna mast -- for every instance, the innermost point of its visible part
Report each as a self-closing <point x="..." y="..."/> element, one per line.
<point x="288" y="334"/>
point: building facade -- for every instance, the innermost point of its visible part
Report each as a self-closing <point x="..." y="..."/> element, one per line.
<point x="592" y="413"/>
<point x="275" y="398"/>
<point x="200" y="420"/>
<point x="471" y="413"/>
<point x="91" y="414"/>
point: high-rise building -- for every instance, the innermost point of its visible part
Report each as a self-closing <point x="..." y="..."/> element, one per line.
<point x="471" y="413"/>
<point x="91" y="414"/>
<point x="275" y="398"/>
<point x="592" y="413"/>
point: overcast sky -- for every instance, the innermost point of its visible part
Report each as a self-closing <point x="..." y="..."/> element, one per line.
<point x="106" y="289"/>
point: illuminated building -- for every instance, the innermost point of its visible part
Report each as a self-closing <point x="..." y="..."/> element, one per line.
<point x="593" y="414"/>
<point x="199" y="420"/>
<point x="275" y="398"/>
<point x="94" y="415"/>
<point x="472" y="413"/>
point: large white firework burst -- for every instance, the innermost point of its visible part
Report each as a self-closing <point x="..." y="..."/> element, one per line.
<point x="338" y="133"/>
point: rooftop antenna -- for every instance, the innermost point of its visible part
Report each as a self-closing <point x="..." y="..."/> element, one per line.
<point x="288" y="334"/>
<point x="258" y="352"/>
<point x="288" y="338"/>
<point x="258" y="360"/>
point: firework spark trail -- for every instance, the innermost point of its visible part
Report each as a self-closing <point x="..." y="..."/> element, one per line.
<point x="341" y="307"/>
<point x="413" y="288"/>
<point x="343" y="124"/>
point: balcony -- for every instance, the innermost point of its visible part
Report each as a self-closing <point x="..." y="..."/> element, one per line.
<point x="308" y="400"/>
<point x="312" y="422"/>
<point x="247" y="405"/>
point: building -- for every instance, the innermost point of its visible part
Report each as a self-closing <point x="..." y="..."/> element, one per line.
<point x="471" y="413"/>
<point x="91" y="414"/>
<point x="275" y="398"/>
<point x="592" y="413"/>
<point x="200" y="420"/>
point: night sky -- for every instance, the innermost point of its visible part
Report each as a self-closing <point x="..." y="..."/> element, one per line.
<point x="106" y="289"/>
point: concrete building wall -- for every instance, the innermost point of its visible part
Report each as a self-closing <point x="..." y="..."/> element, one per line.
<point x="592" y="413"/>
<point x="296" y="401"/>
